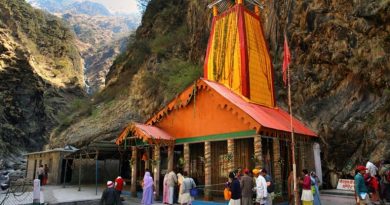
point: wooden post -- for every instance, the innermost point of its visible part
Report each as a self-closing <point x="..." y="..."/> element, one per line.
<point x="156" y="170"/>
<point x="258" y="155"/>
<point x="66" y="167"/>
<point x="147" y="166"/>
<point x="80" y="172"/>
<point x="277" y="166"/>
<point x="207" y="170"/>
<point x="230" y="150"/>
<point x="187" y="158"/>
<point x="170" y="157"/>
<point x="133" y="188"/>
<point x="96" y="171"/>
<point x="302" y="148"/>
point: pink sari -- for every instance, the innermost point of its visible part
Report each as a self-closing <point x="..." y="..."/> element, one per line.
<point x="165" y="190"/>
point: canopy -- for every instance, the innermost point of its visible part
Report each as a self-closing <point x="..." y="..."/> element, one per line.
<point x="148" y="133"/>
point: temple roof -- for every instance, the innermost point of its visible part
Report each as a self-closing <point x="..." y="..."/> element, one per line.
<point x="273" y="118"/>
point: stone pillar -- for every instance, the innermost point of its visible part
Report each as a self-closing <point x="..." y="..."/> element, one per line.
<point x="258" y="155"/>
<point x="207" y="170"/>
<point x="187" y="158"/>
<point x="317" y="160"/>
<point x="277" y="166"/>
<point x="230" y="150"/>
<point x="170" y="157"/>
<point x="156" y="170"/>
<point x="134" y="161"/>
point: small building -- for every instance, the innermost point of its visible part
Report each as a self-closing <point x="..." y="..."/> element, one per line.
<point x="226" y="120"/>
<point x="95" y="163"/>
<point x="54" y="159"/>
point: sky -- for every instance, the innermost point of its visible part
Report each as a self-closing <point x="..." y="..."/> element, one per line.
<point x="121" y="6"/>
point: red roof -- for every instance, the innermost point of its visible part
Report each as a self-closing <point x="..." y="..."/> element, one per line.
<point x="273" y="118"/>
<point x="147" y="133"/>
<point x="153" y="132"/>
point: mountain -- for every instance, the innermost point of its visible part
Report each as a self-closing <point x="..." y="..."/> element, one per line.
<point x="100" y="34"/>
<point x="340" y="72"/>
<point x="71" y="6"/>
<point x="41" y="76"/>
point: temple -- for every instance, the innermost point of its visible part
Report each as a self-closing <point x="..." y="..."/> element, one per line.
<point x="226" y="120"/>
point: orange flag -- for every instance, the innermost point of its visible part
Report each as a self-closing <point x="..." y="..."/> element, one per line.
<point x="286" y="60"/>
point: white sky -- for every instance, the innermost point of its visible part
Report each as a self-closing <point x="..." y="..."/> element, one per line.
<point x="122" y="6"/>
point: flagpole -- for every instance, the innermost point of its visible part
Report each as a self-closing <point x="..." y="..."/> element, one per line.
<point x="292" y="138"/>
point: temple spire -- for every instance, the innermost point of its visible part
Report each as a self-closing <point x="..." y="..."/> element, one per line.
<point x="237" y="53"/>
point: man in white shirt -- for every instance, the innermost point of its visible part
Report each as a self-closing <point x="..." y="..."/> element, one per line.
<point x="261" y="188"/>
<point x="171" y="181"/>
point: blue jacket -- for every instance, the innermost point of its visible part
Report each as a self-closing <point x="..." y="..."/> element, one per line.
<point x="360" y="186"/>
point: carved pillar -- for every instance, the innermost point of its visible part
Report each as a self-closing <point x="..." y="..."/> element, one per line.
<point x="230" y="150"/>
<point x="170" y="157"/>
<point x="277" y="166"/>
<point x="258" y="152"/>
<point x="134" y="160"/>
<point x="207" y="169"/>
<point x="187" y="158"/>
<point x="156" y="170"/>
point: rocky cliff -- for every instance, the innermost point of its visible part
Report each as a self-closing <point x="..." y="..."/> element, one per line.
<point x="101" y="35"/>
<point x="40" y="76"/>
<point x="340" y="67"/>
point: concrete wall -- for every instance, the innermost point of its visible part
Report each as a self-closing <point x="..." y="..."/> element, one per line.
<point x="107" y="170"/>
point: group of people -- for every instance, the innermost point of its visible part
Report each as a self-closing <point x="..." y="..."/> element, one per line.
<point x="111" y="195"/>
<point x="310" y="188"/>
<point x="257" y="187"/>
<point x="247" y="187"/>
<point x="177" y="186"/>
<point x="372" y="184"/>
<point x="43" y="174"/>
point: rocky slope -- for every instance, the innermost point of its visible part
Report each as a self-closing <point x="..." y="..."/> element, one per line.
<point x="40" y="75"/>
<point x="100" y="40"/>
<point x="340" y="67"/>
<point x="101" y="35"/>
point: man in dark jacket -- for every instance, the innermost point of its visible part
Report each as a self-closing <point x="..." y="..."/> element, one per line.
<point x="235" y="189"/>
<point x="247" y="185"/>
<point x="110" y="196"/>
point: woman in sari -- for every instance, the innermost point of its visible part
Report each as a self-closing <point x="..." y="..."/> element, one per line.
<point x="147" y="196"/>
<point x="315" y="182"/>
<point x="165" y="190"/>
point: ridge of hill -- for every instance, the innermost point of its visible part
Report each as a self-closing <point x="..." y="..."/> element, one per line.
<point x="41" y="74"/>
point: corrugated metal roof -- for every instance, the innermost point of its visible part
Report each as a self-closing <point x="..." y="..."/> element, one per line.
<point x="273" y="118"/>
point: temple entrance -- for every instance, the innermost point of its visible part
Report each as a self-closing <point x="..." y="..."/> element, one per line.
<point x="219" y="168"/>
<point x="197" y="163"/>
<point x="243" y="153"/>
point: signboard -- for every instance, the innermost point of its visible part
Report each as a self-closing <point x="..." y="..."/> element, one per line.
<point x="346" y="184"/>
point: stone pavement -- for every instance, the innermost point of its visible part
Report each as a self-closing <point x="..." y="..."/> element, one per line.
<point x="87" y="196"/>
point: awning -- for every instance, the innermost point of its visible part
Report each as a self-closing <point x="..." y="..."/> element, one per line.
<point x="147" y="133"/>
